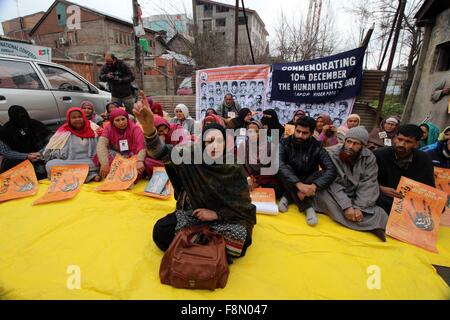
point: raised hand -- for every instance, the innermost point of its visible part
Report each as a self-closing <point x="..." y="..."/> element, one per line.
<point x="144" y="114"/>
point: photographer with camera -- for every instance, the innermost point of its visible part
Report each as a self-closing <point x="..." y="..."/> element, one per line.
<point x="325" y="132"/>
<point x="119" y="77"/>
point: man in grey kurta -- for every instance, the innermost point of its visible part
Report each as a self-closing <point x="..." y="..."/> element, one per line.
<point x="350" y="199"/>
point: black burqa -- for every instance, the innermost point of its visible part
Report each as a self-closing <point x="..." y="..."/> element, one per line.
<point x="23" y="134"/>
<point x="272" y="122"/>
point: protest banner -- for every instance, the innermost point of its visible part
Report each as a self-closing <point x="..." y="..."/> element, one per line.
<point x="122" y="175"/>
<point x="332" y="78"/>
<point x="66" y="182"/>
<point x="247" y="84"/>
<point x="18" y="182"/>
<point x="415" y="218"/>
<point x="442" y="180"/>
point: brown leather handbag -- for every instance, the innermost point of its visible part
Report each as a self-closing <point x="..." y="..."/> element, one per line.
<point x="196" y="259"/>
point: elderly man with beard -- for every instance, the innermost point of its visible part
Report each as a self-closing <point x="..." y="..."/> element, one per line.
<point x="301" y="158"/>
<point x="402" y="159"/>
<point x="351" y="199"/>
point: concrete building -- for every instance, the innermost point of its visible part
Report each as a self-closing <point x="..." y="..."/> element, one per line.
<point x="220" y="17"/>
<point x="433" y="68"/>
<point x="20" y="27"/>
<point x="98" y="33"/>
<point x="397" y="80"/>
<point x="172" y="24"/>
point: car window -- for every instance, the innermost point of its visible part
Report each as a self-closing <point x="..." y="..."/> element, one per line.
<point x="18" y="75"/>
<point x="61" y="79"/>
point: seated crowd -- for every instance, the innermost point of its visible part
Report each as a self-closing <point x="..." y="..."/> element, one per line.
<point x="347" y="173"/>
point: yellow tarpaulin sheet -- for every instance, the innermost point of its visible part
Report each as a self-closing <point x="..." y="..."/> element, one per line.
<point x="108" y="236"/>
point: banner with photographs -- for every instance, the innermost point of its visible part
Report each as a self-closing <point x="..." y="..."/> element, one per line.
<point x="251" y="88"/>
<point x="247" y="84"/>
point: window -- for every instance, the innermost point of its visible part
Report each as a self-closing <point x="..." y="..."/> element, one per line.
<point x="207" y="25"/>
<point x="241" y="20"/>
<point x="207" y="7"/>
<point x="18" y="75"/>
<point x="443" y="57"/>
<point x="221" y="22"/>
<point x="61" y="79"/>
<point x="116" y="34"/>
<point x="222" y="9"/>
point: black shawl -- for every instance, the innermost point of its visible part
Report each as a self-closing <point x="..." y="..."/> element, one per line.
<point x="23" y="134"/>
<point x="219" y="187"/>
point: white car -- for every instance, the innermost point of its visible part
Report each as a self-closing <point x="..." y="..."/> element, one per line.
<point x="45" y="89"/>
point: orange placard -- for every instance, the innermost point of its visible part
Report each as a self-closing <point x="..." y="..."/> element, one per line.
<point x="159" y="185"/>
<point x="442" y="180"/>
<point x="264" y="200"/>
<point x="289" y="130"/>
<point x="415" y="218"/>
<point x="66" y="182"/>
<point x="18" y="182"/>
<point x="122" y="175"/>
<point x="263" y="195"/>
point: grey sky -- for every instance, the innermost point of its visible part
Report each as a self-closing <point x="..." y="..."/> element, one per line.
<point x="345" y="27"/>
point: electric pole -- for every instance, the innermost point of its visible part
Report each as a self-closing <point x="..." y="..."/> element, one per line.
<point x="137" y="48"/>
<point x="236" y="32"/>
<point x="398" y="26"/>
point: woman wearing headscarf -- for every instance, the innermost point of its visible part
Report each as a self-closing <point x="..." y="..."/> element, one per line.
<point x="183" y="119"/>
<point x="297" y="115"/>
<point x="213" y="118"/>
<point x="211" y="111"/>
<point x="430" y="134"/>
<point x="270" y="122"/>
<point x="243" y="117"/>
<point x="215" y="195"/>
<point x="382" y="136"/>
<point x="169" y="133"/>
<point x="22" y="138"/>
<point x="89" y="111"/>
<point x="445" y="134"/>
<point x="325" y="131"/>
<point x="253" y="154"/>
<point x="353" y="120"/>
<point x="75" y="142"/>
<point x="122" y="137"/>
<point x="157" y="108"/>
<point x="109" y="108"/>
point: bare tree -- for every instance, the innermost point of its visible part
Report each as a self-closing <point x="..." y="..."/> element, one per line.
<point x="383" y="13"/>
<point x="295" y="42"/>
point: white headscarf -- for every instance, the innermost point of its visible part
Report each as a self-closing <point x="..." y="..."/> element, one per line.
<point x="183" y="109"/>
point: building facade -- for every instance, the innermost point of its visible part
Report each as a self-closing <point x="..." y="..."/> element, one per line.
<point x="172" y="24"/>
<point x="20" y="27"/>
<point x="220" y="18"/>
<point x="433" y="67"/>
<point x="98" y="33"/>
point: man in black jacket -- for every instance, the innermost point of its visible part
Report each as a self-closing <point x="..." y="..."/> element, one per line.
<point x="301" y="155"/>
<point x="402" y="159"/>
<point x="119" y="77"/>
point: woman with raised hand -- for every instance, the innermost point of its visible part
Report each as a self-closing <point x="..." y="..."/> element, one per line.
<point x="210" y="193"/>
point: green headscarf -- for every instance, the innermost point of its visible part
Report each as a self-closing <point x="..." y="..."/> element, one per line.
<point x="433" y="134"/>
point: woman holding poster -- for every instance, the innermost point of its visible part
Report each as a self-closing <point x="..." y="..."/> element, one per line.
<point x="75" y="142"/>
<point x="123" y="137"/>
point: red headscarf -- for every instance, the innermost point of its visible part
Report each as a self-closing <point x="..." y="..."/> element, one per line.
<point x="184" y="135"/>
<point x="132" y="133"/>
<point x="214" y="118"/>
<point x="157" y="109"/>
<point x="85" y="132"/>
